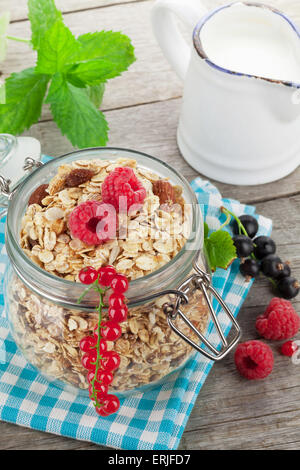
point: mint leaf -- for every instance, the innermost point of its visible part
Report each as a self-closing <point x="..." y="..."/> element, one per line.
<point x="4" y="22"/>
<point x="42" y="15"/>
<point x="75" y="115"/>
<point x="219" y="249"/>
<point x="95" y="94"/>
<point x="101" y="55"/>
<point x="57" y="45"/>
<point x="25" y="92"/>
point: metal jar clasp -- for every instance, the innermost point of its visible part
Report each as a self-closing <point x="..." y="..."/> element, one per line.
<point x="200" y="280"/>
<point x="29" y="165"/>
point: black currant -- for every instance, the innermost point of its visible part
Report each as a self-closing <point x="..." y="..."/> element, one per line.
<point x="263" y="246"/>
<point x="244" y="245"/>
<point x="250" y="224"/>
<point x="288" y="287"/>
<point x="272" y="266"/>
<point x="250" y="268"/>
<point x="285" y="272"/>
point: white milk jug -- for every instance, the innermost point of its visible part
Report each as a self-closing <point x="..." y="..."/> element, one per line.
<point x="240" y="117"/>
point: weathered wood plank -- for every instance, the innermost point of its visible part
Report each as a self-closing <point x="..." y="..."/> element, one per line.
<point x="18" y="438"/>
<point x="152" y="128"/>
<point x="256" y="433"/>
<point x="19" y="11"/>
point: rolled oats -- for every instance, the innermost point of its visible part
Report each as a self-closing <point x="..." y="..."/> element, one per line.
<point x="49" y="338"/>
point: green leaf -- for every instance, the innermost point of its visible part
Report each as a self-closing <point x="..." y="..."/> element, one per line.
<point x="95" y="94"/>
<point x="4" y="22"/>
<point x="57" y="45"/>
<point x="101" y="56"/>
<point x="219" y="249"/>
<point x="42" y="15"/>
<point x="76" y="116"/>
<point x="25" y="92"/>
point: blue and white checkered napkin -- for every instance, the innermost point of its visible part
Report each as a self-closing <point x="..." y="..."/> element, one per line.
<point x="152" y="420"/>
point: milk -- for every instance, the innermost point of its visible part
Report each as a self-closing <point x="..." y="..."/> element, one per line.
<point x="253" y="41"/>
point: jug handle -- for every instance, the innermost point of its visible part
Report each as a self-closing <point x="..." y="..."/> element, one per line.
<point x="174" y="46"/>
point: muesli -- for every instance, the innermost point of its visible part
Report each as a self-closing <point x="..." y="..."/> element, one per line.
<point x="147" y="238"/>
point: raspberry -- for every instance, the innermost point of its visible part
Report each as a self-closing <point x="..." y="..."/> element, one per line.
<point x="122" y="181"/>
<point x="288" y="348"/>
<point x="254" y="360"/>
<point x="93" y="222"/>
<point x="280" y="320"/>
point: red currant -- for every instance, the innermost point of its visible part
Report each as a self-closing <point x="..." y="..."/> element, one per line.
<point x="110" y="361"/>
<point x="118" y="314"/>
<point x="88" y="275"/>
<point x="88" y="359"/>
<point x="111" y="404"/>
<point x="101" y="411"/>
<point x="87" y="343"/>
<point x="105" y="377"/>
<point x="116" y="300"/>
<point x="111" y="331"/>
<point x="103" y="344"/>
<point x="288" y="348"/>
<point x="90" y="376"/>
<point x="100" y="389"/>
<point x="119" y="284"/>
<point x="106" y="275"/>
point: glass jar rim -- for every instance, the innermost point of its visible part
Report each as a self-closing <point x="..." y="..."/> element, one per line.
<point x="34" y="276"/>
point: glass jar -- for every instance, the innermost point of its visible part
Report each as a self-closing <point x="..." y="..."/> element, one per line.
<point x="47" y="323"/>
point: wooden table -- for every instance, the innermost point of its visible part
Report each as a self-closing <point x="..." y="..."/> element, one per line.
<point x="142" y="108"/>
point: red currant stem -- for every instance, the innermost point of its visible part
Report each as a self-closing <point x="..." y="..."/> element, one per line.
<point x="226" y="221"/>
<point x="99" y="356"/>
<point x="274" y="283"/>
<point x="95" y="285"/>
<point x="240" y="225"/>
<point x="242" y="228"/>
<point x="92" y="286"/>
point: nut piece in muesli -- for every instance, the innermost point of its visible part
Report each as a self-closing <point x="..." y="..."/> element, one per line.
<point x="148" y="234"/>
